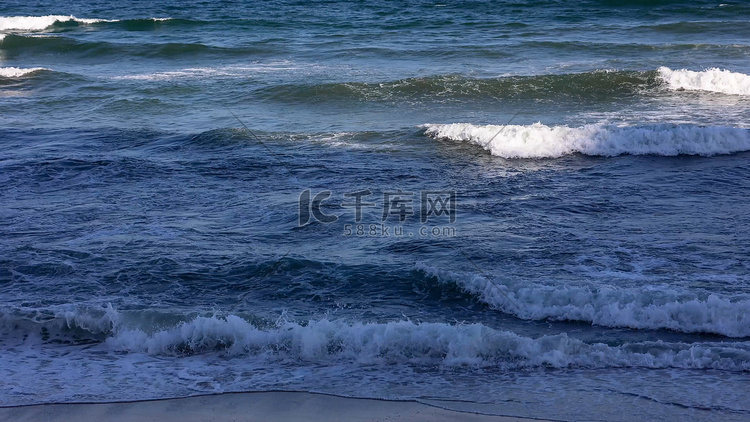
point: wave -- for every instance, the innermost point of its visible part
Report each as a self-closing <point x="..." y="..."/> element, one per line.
<point x="26" y="24"/>
<point x="38" y="23"/>
<point x="152" y="23"/>
<point x="629" y="48"/>
<point x="695" y="27"/>
<point x="542" y="141"/>
<point x="607" y="306"/>
<point x="62" y="22"/>
<point x="395" y="342"/>
<point x="214" y="72"/>
<point x="17" y="44"/>
<point x="61" y="324"/>
<point x="17" y="72"/>
<point x="713" y="80"/>
<point x="599" y="84"/>
<point x="422" y="344"/>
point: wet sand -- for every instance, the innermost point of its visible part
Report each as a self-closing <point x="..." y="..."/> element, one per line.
<point x="235" y="407"/>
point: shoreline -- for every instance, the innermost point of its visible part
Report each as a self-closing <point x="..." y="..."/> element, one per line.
<point x="269" y="406"/>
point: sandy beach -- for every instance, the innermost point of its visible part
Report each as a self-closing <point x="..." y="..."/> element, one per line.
<point x="265" y="406"/>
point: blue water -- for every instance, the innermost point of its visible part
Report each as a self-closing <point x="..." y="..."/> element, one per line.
<point x="154" y="159"/>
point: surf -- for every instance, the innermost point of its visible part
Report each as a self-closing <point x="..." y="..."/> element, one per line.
<point x="541" y="141"/>
<point x="38" y="23"/>
<point x="609" y="306"/>
<point x="711" y="80"/>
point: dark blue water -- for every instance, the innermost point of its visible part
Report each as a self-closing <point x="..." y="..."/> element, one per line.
<point x="582" y="255"/>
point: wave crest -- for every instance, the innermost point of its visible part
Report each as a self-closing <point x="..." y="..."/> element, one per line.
<point x="608" y="306"/>
<point x="372" y="343"/>
<point x="596" y="85"/>
<point x="17" y="72"/>
<point x="38" y="23"/>
<point x="542" y="141"/>
<point x="713" y="80"/>
<point x="422" y="344"/>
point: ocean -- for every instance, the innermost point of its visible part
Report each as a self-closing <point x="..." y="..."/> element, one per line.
<point x="532" y="208"/>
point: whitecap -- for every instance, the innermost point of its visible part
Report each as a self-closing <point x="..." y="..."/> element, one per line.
<point x="609" y="306"/>
<point x="712" y="80"/>
<point x="542" y="141"/>
<point x="38" y="23"/>
<point x="17" y="72"/>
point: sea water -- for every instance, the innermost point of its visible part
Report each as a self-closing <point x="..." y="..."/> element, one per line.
<point x="531" y="208"/>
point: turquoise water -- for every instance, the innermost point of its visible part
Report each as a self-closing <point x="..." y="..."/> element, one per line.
<point x="154" y="159"/>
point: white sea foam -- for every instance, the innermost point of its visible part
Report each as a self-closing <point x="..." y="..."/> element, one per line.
<point x="421" y="343"/>
<point x="212" y="72"/>
<point x="16" y="72"/>
<point x="331" y="341"/>
<point x="643" y="308"/>
<point x="714" y="80"/>
<point x="199" y="73"/>
<point x="542" y="141"/>
<point x="38" y="23"/>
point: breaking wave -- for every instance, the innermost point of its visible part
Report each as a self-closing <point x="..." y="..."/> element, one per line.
<point x="596" y="85"/>
<point x="16" y="72"/>
<point x="542" y="141"/>
<point x="38" y="23"/>
<point x="396" y="342"/>
<point x="423" y="344"/>
<point x="15" y="43"/>
<point x="608" y="306"/>
<point x="713" y="80"/>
